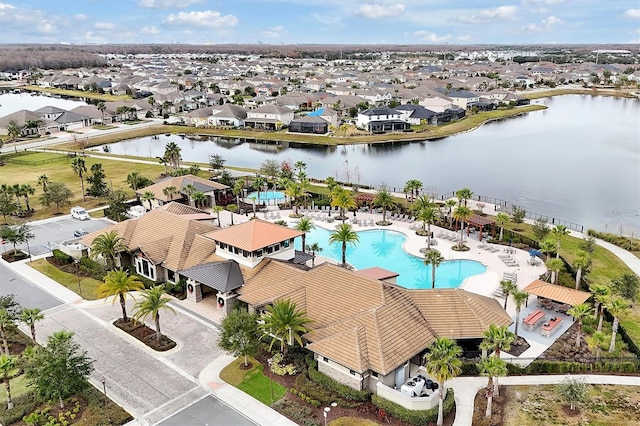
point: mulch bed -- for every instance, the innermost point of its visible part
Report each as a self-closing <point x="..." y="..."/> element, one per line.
<point x="518" y="346"/>
<point x="145" y="334"/>
<point x="497" y="408"/>
<point x="10" y="256"/>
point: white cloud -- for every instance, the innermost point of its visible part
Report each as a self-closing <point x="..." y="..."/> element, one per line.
<point x="167" y="4"/>
<point x="104" y="26"/>
<point x="464" y="38"/>
<point x="149" y="30"/>
<point x="275" y="32"/>
<point x="430" y="37"/>
<point x="5" y="6"/>
<point x="326" y="19"/>
<point x="544" y="25"/>
<point x="81" y="17"/>
<point x="377" y="11"/>
<point x="46" y="27"/>
<point x="632" y="13"/>
<point x="207" y="18"/>
<point x="488" y="15"/>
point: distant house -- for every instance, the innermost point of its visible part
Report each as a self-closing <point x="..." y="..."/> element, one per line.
<point x="381" y="120"/>
<point x="269" y="117"/>
<point x="461" y="98"/>
<point x="416" y="114"/>
<point x="228" y="115"/>
<point x="309" y="124"/>
<point x="199" y="117"/>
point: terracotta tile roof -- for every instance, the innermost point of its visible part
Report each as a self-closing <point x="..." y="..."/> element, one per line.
<point x="377" y="273"/>
<point x="181" y="209"/>
<point x="254" y="234"/>
<point x="180" y="182"/>
<point x="557" y="292"/>
<point x="265" y="282"/>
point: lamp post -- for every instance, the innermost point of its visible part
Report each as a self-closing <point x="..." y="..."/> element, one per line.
<point x="104" y="390"/>
<point x="77" y="263"/>
<point x="270" y="362"/>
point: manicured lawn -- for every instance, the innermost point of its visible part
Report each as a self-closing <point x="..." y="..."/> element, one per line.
<point x="18" y="388"/>
<point x="89" y="285"/>
<point x="103" y="127"/>
<point x="252" y="381"/>
<point x="78" y="93"/>
<point x="352" y="421"/>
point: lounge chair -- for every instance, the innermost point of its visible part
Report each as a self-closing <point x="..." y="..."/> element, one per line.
<point x="371" y="223"/>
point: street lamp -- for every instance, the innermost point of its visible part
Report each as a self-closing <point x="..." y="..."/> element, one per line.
<point x="270" y="362"/>
<point x="76" y="261"/>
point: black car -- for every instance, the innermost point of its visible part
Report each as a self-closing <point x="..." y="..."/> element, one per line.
<point x="80" y="232"/>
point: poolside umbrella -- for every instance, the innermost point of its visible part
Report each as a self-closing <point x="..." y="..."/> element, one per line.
<point x="534" y="253"/>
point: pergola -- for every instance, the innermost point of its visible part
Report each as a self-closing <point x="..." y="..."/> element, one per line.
<point x="557" y="293"/>
<point x="479" y="222"/>
<point x="365" y="198"/>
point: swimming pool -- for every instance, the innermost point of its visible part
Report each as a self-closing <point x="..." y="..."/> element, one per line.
<point x="268" y="197"/>
<point x="383" y="248"/>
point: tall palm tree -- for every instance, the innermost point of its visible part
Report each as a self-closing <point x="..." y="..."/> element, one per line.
<point x="555" y="266"/>
<point x="450" y="204"/>
<point x="217" y="210"/>
<point x="331" y="183"/>
<point x="304" y="224"/>
<point x="548" y="246"/>
<point x="616" y="307"/>
<point x="25" y="191"/>
<point x="79" y="168"/>
<point x="596" y="341"/>
<point x="558" y="232"/>
<point x="8" y="363"/>
<point x="579" y="312"/>
<point x="133" y="180"/>
<point x="14" y="131"/>
<point x="148" y="196"/>
<point x="7" y="324"/>
<point x="343" y="199"/>
<point x="102" y="107"/>
<point x="433" y="258"/>
<point x="519" y="298"/>
<point x="428" y="216"/>
<point x="152" y="102"/>
<point x="151" y="304"/>
<point x="199" y="198"/>
<point x="232" y="208"/>
<point x="461" y="214"/>
<point x="344" y="234"/>
<point x="43" y="180"/>
<point x="258" y="184"/>
<point x="314" y="248"/>
<point x="172" y="152"/>
<point x="580" y="262"/>
<point x="294" y="190"/>
<point x="29" y="316"/>
<point x="443" y="363"/>
<point x="600" y="294"/>
<point x="107" y="246"/>
<point x="463" y="195"/>
<point x="412" y="186"/>
<point x="190" y="189"/>
<point x="170" y="191"/>
<point x="507" y="287"/>
<point x="238" y="190"/>
<point x="492" y="367"/>
<point x="384" y="199"/>
<point x="283" y="322"/>
<point x="16" y="190"/>
<point x="118" y="284"/>
<point x="502" y="219"/>
<point x="497" y="339"/>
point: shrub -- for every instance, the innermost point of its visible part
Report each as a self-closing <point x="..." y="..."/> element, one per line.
<point x="296" y="411"/>
<point x="415" y="417"/>
<point x="631" y="244"/>
<point x="93" y="268"/>
<point x="61" y="257"/>
<point x="279" y="368"/>
<point x="342" y="390"/>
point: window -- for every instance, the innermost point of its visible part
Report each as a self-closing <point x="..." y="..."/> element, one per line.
<point x="285" y="244"/>
<point x="325" y="359"/>
<point x="353" y="373"/>
<point x="171" y="276"/>
<point x="259" y="253"/>
<point x="374" y="374"/>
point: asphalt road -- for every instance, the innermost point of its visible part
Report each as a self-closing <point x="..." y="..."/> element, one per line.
<point x="27" y="294"/>
<point x="209" y="411"/>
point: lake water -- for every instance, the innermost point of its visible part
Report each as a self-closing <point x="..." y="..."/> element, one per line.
<point x="12" y="102"/>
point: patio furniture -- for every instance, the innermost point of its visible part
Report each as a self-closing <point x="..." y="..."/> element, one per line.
<point x="549" y="327"/>
<point x="533" y="319"/>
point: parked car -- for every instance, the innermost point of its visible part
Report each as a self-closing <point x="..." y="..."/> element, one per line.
<point x="136" y="212"/>
<point x="79" y="213"/>
<point x="80" y="232"/>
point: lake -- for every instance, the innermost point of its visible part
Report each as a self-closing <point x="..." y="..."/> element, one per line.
<point x="12" y="102"/>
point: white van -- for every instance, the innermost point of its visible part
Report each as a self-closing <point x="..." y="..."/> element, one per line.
<point x="79" y="213"/>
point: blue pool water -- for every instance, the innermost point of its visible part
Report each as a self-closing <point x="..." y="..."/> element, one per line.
<point x="383" y="248"/>
<point x="267" y="196"/>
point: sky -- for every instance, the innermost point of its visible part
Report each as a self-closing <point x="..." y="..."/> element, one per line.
<point x="320" y="21"/>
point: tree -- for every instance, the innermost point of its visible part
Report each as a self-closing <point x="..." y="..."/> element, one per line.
<point x="573" y="391"/>
<point x="238" y="190"/>
<point x="497" y="339"/>
<point x="79" y="169"/>
<point x="579" y="313"/>
<point x="57" y="194"/>
<point x="232" y="208"/>
<point x="596" y="341"/>
<point x="108" y="246"/>
<point x="118" y="284"/>
<point x="151" y="304"/>
<point x="10" y="234"/>
<point x="117" y="205"/>
<point x="540" y="228"/>
<point x="14" y="131"/>
<point x="12" y="306"/>
<point x="216" y="162"/>
<point x="7" y="324"/>
<point x="601" y="294"/>
<point x="314" y="248"/>
<point x="627" y="287"/>
<point x="507" y="287"/>
<point x="172" y="154"/>
<point x="199" y="199"/>
<point x="59" y="369"/>
<point x="492" y="367"/>
<point x="588" y="244"/>
<point x="239" y="334"/>
<point x="412" y="187"/>
<point x="25" y="191"/>
<point x="461" y="214"/>
<point x="384" y="199"/>
<point x="102" y="107"/>
<point x="443" y="363"/>
<point x="170" y="191"/>
<point x="8" y="206"/>
<point x="548" y="247"/>
<point x="343" y="199"/>
<point x="428" y="215"/>
<point x="555" y="266"/>
<point x="148" y="196"/>
<point x="7" y="365"/>
<point x="558" y="232"/>
<point x="580" y="262"/>
<point x="189" y="189"/>
<point x="304" y="224"/>
<point x="136" y="181"/>
<point x="30" y="316"/>
<point x="463" y="195"/>
<point x="283" y="322"/>
<point x="616" y="307"/>
<point x="434" y="258"/>
<point x="518" y="214"/>
<point x="270" y="168"/>
<point x="295" y="191"/>
<point x="43" y="180"/>
<point x="258" y="183"/>
<point x="519" y="298"/>
<point x="97" y="180"/>
<point x="344" y="234"/>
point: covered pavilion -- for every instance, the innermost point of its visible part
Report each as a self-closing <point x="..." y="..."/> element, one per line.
<point x="557" y="293"/>
<point x="365" y="198"/>
<point x="479" y="222"/>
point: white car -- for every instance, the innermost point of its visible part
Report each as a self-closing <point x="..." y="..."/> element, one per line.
<point x="79" y="213"/>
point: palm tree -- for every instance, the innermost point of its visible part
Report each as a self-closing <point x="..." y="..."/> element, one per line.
<point x="7" y="365"/>
<point x="433" y="258"/>
<point x="579" y="312"/>
<point x="107" y="246"/>
<point x="580" y="262"/>
<point x="331" y="183"/>
<point x="217" y="210"/>
<point x="170" y="191"/>
<point x="199" y="198"/>
<point x="555" y="266"/>
<point x="14" y="131"/>
<point x="412" y="186"/>
<point x="79" y="168"/>
<point x="463" y="195"/>
<point x="507" y="287"/>
<point x="343" y="199"/>
<point x="314" y="248"/>
<point x="344" y="234"/>
<point x="26" y="190"/>
<point x="461" y="214"/>
<point x="305" y="225"/>
<point x="172" y="155"/>
<point x="102" y="107"/>
<point x="134" y="180"/>
<point x="29" y="316"/>
<point x="428" y="215"/>
<point x="596" y="341"/>
<point x="164" y="161"/>
<point x="118" y="284"/>
<point x="559" y="231"/>
<point x="600" y="294"/>
<point x="6" y="324"/>
<point x="190" y="189"/>
<point x="616" y="307"/>
<point x="284" y="323"/>
<point x="443" y="363"/>
<point x="450" y="203"/>
<point x="548" y="247"/>
<point x="384" y="199"/>
<point x="238" y="190"/>
<point x="492" y="367"/>
<point x="519" y="298"/>
<point x="502" y="219"/>
<point x="232" y="208"/>
<point x="497" y="339"/>
<point x="148" y="196"/>
<point x="152" y="102"/>
<point x="294" y="190"/>
<point x="43" y="180"/>
<point x="258" y="184"/>
<point x="151" y="304"/>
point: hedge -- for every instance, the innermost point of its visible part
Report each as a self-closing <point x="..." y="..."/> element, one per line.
<point x="415" y="417"/>
<point x="342" y="390"/>
<point x="470" y="368"/>
<point x="62" y="257"/>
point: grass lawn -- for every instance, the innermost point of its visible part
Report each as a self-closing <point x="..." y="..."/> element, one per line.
<point x="78" y="93"/>
<point x="103" y="127"/>
<point x="89" y="285"/>
<point x="352" y="421"/>
<point x="18" y="388"/>
<point x="252" y="382"/>
<point x="540" y="405"/>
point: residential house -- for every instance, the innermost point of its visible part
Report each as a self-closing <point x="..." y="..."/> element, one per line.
<point x="227" y="115"/>
<point x="381" y="120"/>
<point x="309" y="124"/>
<point x="269" y="117"/>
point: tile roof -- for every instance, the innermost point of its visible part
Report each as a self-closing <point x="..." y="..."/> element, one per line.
<point x="254" y="234"/>
<point x="557" y="292"/>
<point x="180" y="182"/>
<point x="377" y="273"/>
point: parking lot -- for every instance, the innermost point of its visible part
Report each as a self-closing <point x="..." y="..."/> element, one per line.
<point x="51" y="232"/>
